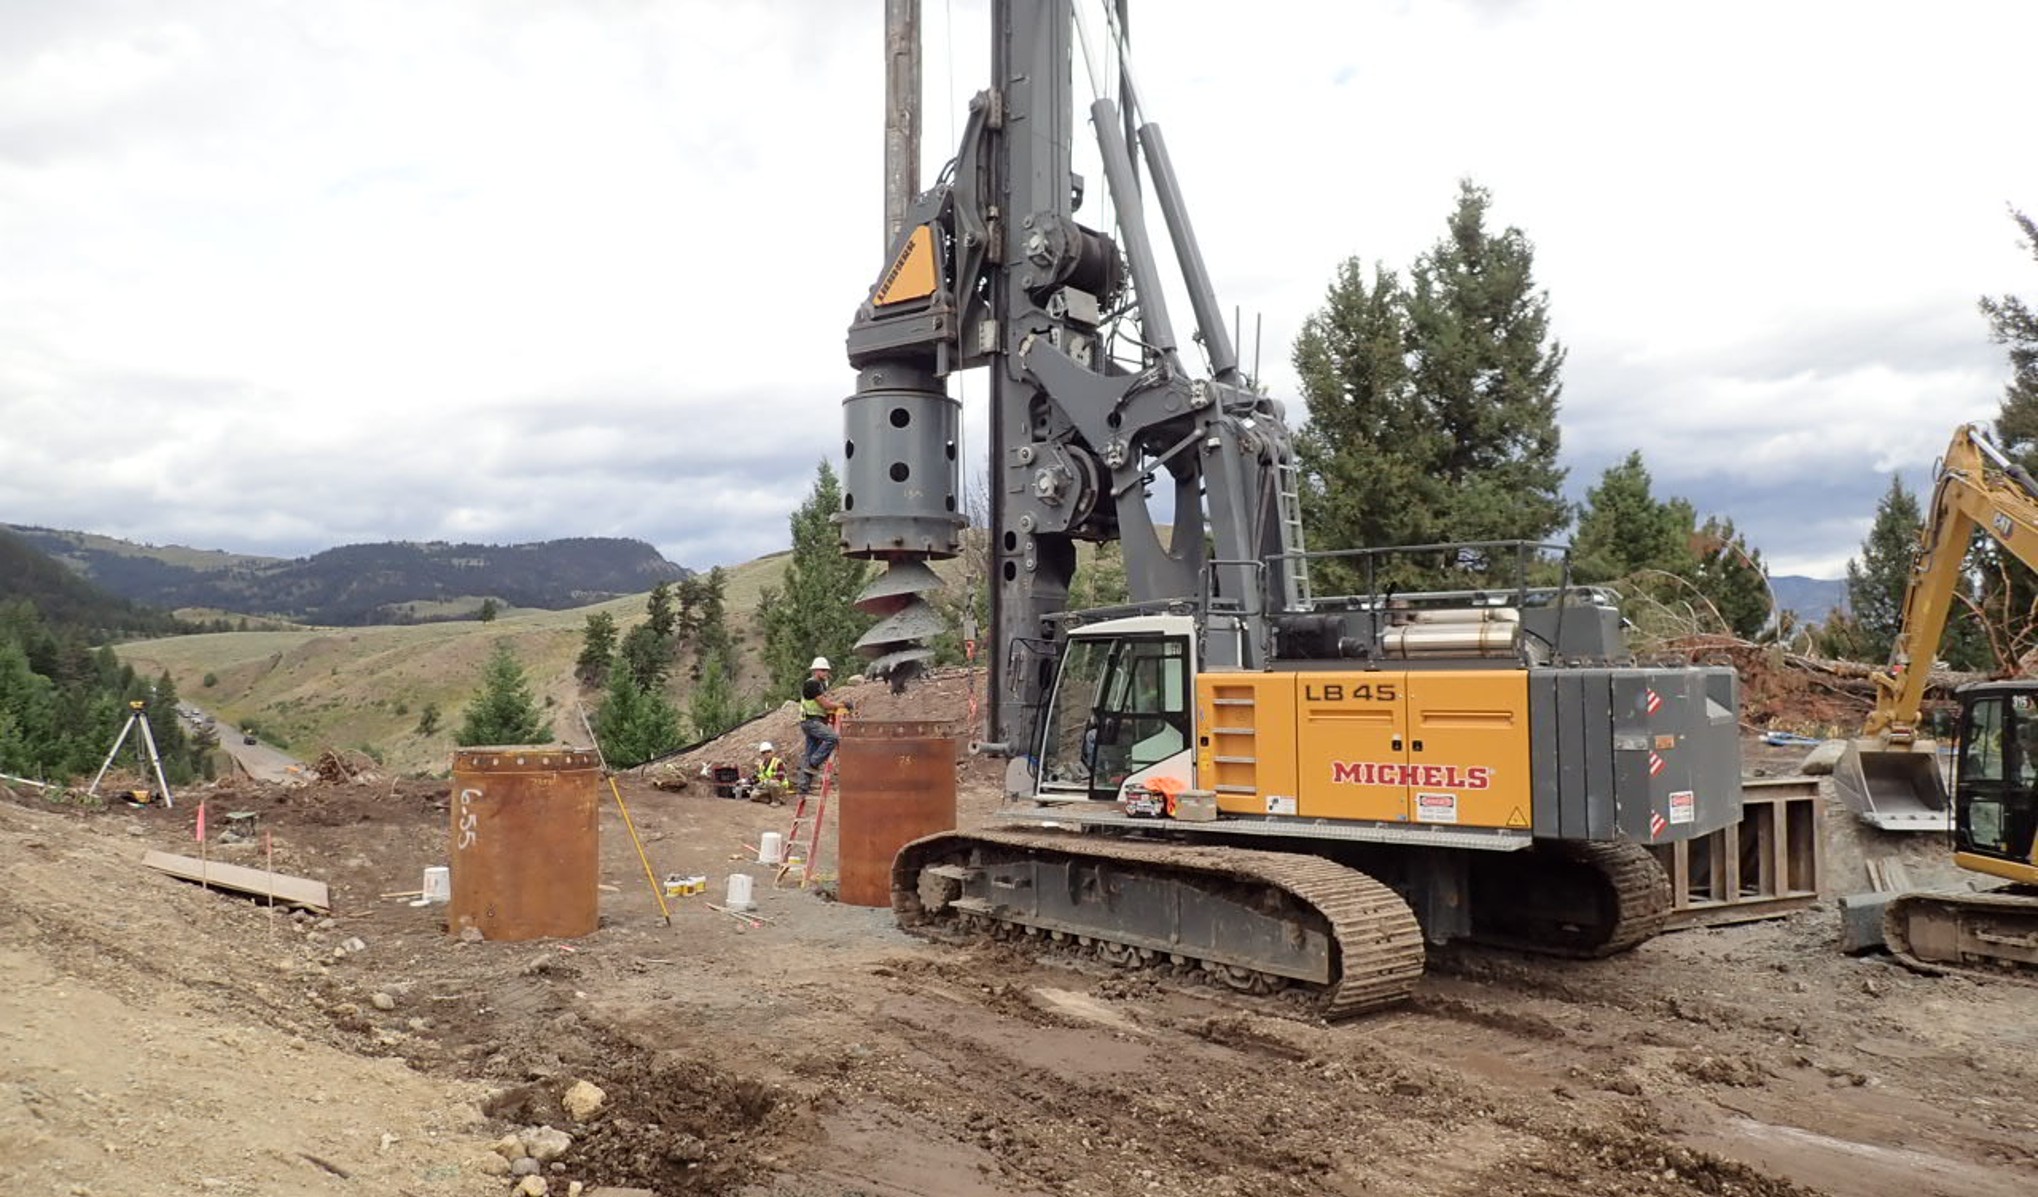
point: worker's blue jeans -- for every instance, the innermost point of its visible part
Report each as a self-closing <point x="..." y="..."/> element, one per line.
<point x="821" y="741"/>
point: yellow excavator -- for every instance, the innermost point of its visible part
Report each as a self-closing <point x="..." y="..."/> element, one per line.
<point x="1890" y="776"/>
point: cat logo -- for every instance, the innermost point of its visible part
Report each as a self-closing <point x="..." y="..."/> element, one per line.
<point x="2003" y="527"/>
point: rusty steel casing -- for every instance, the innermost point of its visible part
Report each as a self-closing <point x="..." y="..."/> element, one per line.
<point x="898" y="784"/>
<point x="525" y="847"/>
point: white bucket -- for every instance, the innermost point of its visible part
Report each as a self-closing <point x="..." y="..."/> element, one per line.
<point x="770" y="847"/>
<point x="438" y="884"/>
<point x="739" y="892"/>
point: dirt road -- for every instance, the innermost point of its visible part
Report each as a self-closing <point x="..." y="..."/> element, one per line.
<point x="161" y="1039"/>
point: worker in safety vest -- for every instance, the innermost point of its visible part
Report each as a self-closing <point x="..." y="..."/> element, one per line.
<point x="768" y="783"/>
<point x="817" y="721"/>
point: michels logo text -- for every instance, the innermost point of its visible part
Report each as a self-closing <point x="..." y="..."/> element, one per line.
<point x="1448" y="777"/>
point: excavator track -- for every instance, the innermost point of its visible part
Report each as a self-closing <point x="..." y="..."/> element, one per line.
<point x="1608" y="898"/>
<point x="1992" y="935"/>
<point x="1254" y="922"/>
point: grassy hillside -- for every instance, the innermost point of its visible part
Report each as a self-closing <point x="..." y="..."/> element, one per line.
<point x="308" y="689"/>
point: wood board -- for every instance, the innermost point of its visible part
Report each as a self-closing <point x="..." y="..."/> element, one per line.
<point x="291" y="891"/>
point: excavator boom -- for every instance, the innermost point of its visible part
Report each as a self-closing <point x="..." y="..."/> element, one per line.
<point x="1890" y="775"/>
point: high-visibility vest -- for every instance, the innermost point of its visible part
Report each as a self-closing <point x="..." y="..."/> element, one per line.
<point x="773" y="769"/>
<point x="811" y="708"/>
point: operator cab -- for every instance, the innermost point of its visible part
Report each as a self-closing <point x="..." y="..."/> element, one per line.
<point x="1995" y="789"/>
<point x="1121" y="710"/>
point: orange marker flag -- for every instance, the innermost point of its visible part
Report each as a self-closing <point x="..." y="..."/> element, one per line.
<point x="201" y="820"/>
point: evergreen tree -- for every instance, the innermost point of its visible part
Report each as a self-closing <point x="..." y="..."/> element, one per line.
<point x="1432" y="404"/>
<point x="1875" y="583"/>
<point x="2008" y="602"/>
<point x="645" y="656"/>
<point x="664" y="616"/>
<point x="505" y="712"/>
<point x="813" y="615"/>
<point x="489" y="610"/>
<point x="1369" y="456"/>
<point x="1623" y="528"/>
<point x="597" y="649"/>
<point x="1486" y="370"/>
<point x="2014" y="325"/>
<point x="634" y="724"/>
<point x="713" y="708"/>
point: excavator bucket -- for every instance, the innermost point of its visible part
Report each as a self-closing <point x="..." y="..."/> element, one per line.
<point x="1896" y="789"/>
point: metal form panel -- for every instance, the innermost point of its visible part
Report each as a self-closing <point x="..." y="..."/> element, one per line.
<point x="898" y="784"/>
<point x="1768" y="863"/>
<point x="525" y="842"/>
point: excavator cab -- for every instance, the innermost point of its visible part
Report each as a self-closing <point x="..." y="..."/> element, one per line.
<point x="1995" y="786"/>
<point x="1120" y="710"/>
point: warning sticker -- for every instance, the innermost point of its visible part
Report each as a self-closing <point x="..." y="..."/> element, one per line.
<point x="1436" y="808"/>
<point x="1515" y="818"/>
<point x="1683" y="807"/>
<point x="1280" y="804"/>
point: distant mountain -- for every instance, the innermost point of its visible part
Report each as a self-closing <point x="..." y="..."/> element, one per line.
<point x="396" y="582"/>
<point x="65" y="600"/>
<point x="1812" y="600"/>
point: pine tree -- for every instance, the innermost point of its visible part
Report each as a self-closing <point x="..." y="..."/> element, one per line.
<point x="1875" y="584"/>
<point x="813" y="615"/>
<point x="489" y="610"/>
<point x="2014" y="325"/>
<point x="505" y="712"/>
<point x="633" y="724"/>
<point x="1623" y="528"/>
<point x="1369" y="456"/>
<point x="1432" y="404"/>
<point x="1486" y="370"/>
<point x="645" y="656"/>
<point x="2009" y="591"/>
<point x="664" y="616"/>
<point x="597" y="649"/>
<point x="713" y="708"/>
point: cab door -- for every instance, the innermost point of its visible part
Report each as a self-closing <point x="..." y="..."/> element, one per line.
<point x="1995" y="799"/>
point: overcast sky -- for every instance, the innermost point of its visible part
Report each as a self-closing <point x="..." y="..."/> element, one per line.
<point x="276" y="276"/>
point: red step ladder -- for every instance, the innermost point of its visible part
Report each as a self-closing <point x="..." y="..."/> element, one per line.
<point x="808" y="815"/>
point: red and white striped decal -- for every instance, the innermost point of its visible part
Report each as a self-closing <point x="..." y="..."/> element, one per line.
<point x="1656" y="824"/>
<point x="1656" y="764"/>
<point x="1654" y="701"/>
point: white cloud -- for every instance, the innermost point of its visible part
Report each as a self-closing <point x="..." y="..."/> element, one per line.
<point x="285" y="276"/>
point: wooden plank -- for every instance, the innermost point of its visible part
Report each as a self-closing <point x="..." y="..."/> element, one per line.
<point x="292" y="891"/>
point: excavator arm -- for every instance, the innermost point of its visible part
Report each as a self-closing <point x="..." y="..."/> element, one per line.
<point x="1977" y="487"/>
<point x="1890" y="775"/>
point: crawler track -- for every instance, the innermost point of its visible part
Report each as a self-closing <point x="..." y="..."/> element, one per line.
<point x="1256" y="922"/>
<point x="1991" y="935"/>
<point x="1578" y="900"/>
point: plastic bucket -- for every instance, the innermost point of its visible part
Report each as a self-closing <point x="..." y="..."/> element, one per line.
<point x="739" y="892"/>
<point x="770" y="848"/>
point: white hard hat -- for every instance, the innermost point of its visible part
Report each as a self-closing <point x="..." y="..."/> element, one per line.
<point x="765" y="747"/>
<point x="821" y="663"/>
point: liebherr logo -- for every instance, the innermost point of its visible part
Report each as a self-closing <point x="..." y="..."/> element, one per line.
<point x="1447" y="777"/>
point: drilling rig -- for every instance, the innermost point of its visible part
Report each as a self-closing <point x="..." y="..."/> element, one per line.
<point x="1338" y="777"/>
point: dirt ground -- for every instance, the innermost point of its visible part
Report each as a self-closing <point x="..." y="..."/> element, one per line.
<point x="156" y="1038"/>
